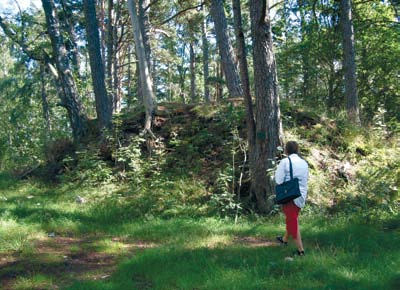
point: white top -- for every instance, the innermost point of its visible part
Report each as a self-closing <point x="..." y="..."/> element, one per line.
<point x="300" y="170"/>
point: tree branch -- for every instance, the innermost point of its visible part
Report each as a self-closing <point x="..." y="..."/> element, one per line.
<point x="151" y="4"/>
<point x="181" y="12"/>
<point x="276" y="4"/>
<point x="41" y="56"/>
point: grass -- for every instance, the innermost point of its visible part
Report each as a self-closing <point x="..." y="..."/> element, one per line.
<point x="339" y="256"/>
<point x="94" y="248"/>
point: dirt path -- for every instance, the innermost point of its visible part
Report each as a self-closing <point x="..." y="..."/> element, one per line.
<point x="65" y="259"/>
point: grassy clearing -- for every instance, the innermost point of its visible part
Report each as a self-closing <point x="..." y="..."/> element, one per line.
<point x="94" y="247"/>
<point x="340" y="255"/>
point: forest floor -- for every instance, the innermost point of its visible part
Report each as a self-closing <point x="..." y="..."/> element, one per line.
<point x="49" y="241"/>
<point x="56" y="261"/>
<point x="114" y="219"/>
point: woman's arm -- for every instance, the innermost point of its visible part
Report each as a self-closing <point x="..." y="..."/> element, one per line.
<point x="280" y="172"/>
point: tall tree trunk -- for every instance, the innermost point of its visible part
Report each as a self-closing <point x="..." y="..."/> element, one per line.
<point x="110" y="47"/>
<point x="244" y="77"/>
<point x="192" y="73"/>
<point x="139" y="90"/>
<point x="219" y="90"/>
<point x="103" y="33"/>
<point x="144" y="18"/>
<point x="70" y="98"/>
<point x="225" y="49"/>
<point x="305" y="56"/>
<point x="145" y="78"/>
<point x="103" y="104"/>
<point x="268" y="123"/>
<point x="117" y="94"/>
<point x="129" y="79"/>
<point x="45" y="103"/>
<point x="349" y="63"/>
<point x="72" y="43"/>
<point x="205" y="61"/>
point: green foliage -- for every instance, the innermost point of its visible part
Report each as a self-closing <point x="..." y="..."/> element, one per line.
<point x="91" y="169"/>
<point x="224" y="200"/>
<point x="309" y="55"/>
<point x="131" y="158"/>
<point x="378" y="62"/>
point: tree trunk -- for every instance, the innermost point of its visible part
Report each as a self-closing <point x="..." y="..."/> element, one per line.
<point x="129" y="82"/>
<point x="225" y="49"/>
<point x="110" y="47"/>
<point x="45" y="103"/>
<point x="244" y="77"/>
<point x="305" y="56"/>
<point x="103" y="104"/>
<point x="103" y="33"/>
<point x="144" y="18"/>
<point x="219" y="90"/>
<point x="117" y="94"/>
<point x="69" y="25"/>
<point x="268" y="123"/>
<point x="70" y="98"/>
<point x="205" y="61"/>
<point x="145" y="78"/>
<point x="192" y="74"/>
<point x="349" y="63"/>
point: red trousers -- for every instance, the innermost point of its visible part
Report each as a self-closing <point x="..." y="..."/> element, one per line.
<point x="291" y="213"/>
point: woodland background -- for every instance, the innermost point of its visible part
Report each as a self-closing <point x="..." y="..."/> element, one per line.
<point x="138" y="133"/>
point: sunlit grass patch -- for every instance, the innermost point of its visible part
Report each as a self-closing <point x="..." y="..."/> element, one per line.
<point x="109" y="246"/>
<point x="33" y="282"/>
<point x="15" y="236"/>
<point x="212" y="241"/>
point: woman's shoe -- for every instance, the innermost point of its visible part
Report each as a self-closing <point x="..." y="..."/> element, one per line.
<point x="281" y="241"/>
<point x="299" y="253"/>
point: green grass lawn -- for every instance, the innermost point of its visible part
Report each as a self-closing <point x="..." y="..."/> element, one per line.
<point x="48" y="240"/>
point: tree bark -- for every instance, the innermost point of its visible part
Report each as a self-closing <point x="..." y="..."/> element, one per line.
<point x="244" y="77"/>
<point x="70" y="98"/>
<point x="145" y="78"/>
<point x="225" y="49"/>
<point x="305" y="56"/>
<point x="268" y="123"/>
<point x="69" y="25"/>
<point x="192" y="73"/>
<point x="110" y="47"/>
<point x="45" y="103"/>
<point x="117" y="93"/>
<point x="349" y="63"/>
<point x="144" y="18"/>
<point x="205" y="61"/>
<point x="103" y="104"/>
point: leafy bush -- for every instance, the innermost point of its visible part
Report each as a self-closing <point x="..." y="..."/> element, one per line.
<point x="57" y="150"/>
<point x="90" y="169"/>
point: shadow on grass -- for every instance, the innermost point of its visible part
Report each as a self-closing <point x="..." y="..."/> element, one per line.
<point x="346" y="256"/>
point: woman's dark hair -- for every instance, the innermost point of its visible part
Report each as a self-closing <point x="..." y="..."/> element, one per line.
<point x="292" y="147"/>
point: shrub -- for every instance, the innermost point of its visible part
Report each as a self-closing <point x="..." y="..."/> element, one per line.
<point x="57" y="150"/>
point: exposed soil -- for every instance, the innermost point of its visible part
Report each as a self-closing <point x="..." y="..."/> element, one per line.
<point x="255" y="242"/>
<point x="65" y="259"/>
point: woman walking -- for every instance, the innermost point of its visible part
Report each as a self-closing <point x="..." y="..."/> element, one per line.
<point x="292" y="208"/>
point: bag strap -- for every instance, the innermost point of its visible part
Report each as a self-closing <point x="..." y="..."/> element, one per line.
<point x="291" y="168"/>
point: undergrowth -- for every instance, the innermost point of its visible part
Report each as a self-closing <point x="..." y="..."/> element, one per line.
<point x="185" y="203"/>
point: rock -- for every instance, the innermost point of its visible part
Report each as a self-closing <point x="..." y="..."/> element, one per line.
<point x="80" y="199"/>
